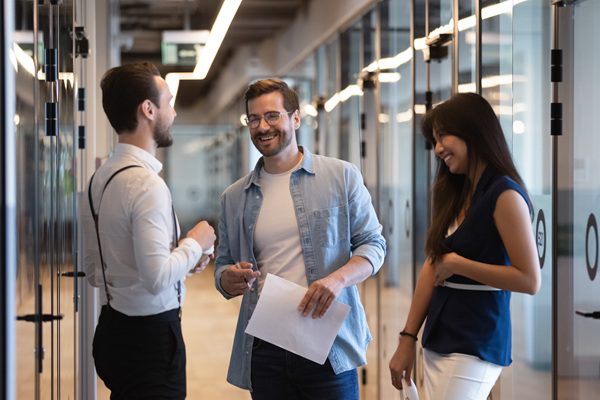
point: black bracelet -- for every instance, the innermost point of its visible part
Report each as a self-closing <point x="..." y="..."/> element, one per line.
<point x="410" y="335"/>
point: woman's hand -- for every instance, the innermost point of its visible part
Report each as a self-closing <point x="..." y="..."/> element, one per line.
<point x="402" y="361"/>
<point x="444" y="267"/>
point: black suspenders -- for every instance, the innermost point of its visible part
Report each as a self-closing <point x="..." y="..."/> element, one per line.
<point x="95" y="217"/>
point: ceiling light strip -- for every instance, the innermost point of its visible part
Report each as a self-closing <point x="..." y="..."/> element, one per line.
<point x="217" y="33"/>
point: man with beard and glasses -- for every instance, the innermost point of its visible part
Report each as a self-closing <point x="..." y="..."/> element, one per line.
<point x="133" y="251"/>
<point x="308" y="219"/>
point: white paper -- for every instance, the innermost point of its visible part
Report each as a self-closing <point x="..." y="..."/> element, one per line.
<point x="277" y="320"/>
<point x="409" y="392"/>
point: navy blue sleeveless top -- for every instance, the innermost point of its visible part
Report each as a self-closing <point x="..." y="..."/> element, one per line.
<point x="467" y="321"/>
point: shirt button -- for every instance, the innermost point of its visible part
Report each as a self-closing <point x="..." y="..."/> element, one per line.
<point x="257" y="197"/>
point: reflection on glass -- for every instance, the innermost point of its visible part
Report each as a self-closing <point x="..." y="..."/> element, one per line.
<point x="350" y="64"/>
<point x="466" y="44"/>
<point x="514" y="80"/>
<point x="440" y="15"/>
<point x="579" y="348"/>
<point x="46" y="195"/>
<point x="395" y="198"/>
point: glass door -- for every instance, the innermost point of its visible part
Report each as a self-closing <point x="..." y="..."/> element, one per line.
<point x="515" y="79"/>
<point x="7" y="212"/>
<point x="395" y="193"/>
<point x="45" y="294"/>
<point x="579" y="285"/>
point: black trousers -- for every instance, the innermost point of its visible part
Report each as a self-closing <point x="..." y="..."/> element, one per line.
<point x="140" y="357"/>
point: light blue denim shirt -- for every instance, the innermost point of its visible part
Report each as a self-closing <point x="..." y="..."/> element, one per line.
<point x="336" y="221"/>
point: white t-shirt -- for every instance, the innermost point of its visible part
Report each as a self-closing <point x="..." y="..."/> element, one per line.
<point x="276" y="237"/>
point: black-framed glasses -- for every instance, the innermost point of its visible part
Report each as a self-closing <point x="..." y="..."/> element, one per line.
<point x="271" y="117"/>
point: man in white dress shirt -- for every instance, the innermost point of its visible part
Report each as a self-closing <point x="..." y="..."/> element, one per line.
<point x="130" y="227"/>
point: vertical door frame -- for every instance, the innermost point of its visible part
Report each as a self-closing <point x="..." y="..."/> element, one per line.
<point x="562" y="37"/>
<point x="8" y="212"/>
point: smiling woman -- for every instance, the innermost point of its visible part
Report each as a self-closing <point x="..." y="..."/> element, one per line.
<point x="480" y="247"/>
<point x="452" y="150"/>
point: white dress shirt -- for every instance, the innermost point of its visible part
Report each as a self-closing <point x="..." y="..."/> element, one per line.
<point x="136" y="232"/>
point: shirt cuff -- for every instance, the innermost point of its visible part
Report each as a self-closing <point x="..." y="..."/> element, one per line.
<point x="193" y="246"/>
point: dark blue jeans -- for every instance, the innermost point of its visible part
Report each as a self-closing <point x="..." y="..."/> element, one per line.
<point x="278" y="374"/>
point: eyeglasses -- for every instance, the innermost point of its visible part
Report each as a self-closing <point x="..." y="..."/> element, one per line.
<point x="271" y="117"/>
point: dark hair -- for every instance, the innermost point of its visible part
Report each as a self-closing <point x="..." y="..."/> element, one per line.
<point x="265" y="86"/>
<point x="471" y="118"/>
<point x="124" y="88"/>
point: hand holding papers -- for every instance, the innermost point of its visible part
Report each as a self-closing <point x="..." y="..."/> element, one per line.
<point x="277" y="320"/>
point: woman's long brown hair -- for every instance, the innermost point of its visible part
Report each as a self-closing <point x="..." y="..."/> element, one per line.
<point x="471" y="118"/>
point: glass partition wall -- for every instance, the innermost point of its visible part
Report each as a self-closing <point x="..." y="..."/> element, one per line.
<point x="502" y="50"/>
<point x="578" y="341"/>
<point x="46" y="191"/>
<point x="395" y="198"/>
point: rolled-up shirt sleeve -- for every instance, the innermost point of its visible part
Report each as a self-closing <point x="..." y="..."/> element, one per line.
<point x="365" y="230"/>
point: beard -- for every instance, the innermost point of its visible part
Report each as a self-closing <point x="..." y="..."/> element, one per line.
<point x="284" y="139"/>
<point x="162" y="136"/>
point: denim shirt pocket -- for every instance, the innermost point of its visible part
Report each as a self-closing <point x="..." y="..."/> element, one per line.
<point x="331" y="226"/>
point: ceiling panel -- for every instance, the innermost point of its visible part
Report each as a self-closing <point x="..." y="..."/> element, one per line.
<point x="144" y="20"/>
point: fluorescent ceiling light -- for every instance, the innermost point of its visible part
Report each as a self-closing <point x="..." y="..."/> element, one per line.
<point x="487" y="12"/>
<point x="404" y="116"/>
<point x="342" y="96"/>
<point x="463" y="24"/>
<point x="173" y="79"/>
<point x="389" y="77"/>
<point x="217" y="33"/>
<point x="518" y="127"/>
<point x="25" y="60"/>
<point x="189" y="37"/>
<point x="332" y="102"/>
<point x="349" y="91"/>
<point x="492" y="81"/>
<point x="420" y="109"/>
<point x="310" y="110"/>
<point x="390" y="62"/>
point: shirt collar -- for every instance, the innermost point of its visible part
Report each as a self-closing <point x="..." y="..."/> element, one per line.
<point x="307" y="165"/>
<point x="147" y="159"/>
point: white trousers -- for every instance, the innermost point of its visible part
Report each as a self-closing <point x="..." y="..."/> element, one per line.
<point x="458" y="376"/>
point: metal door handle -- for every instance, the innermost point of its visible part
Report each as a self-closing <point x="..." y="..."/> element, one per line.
<point x="39" y="318"/>
<point x="80" y="274"/>
<point x="593" y="314"/>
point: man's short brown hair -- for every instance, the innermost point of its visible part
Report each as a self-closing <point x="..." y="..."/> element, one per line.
<point x="124" y="88"/>
<point x="264" y="86"/>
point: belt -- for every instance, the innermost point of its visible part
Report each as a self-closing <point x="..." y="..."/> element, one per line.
<point x="117" y="316"/>
<point x="466" y="286"/>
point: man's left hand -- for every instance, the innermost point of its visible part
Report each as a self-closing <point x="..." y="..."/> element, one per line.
<point x="320" y="296"/>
